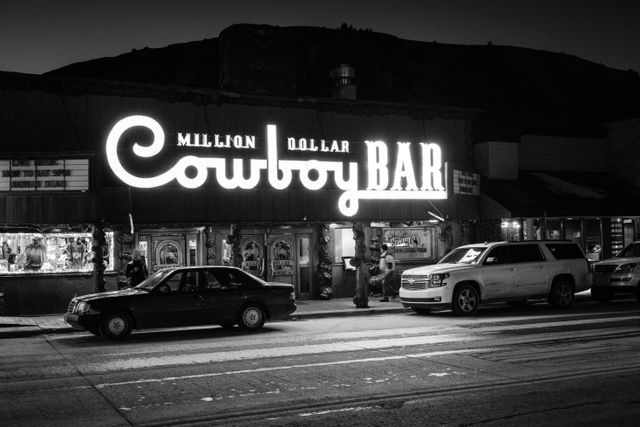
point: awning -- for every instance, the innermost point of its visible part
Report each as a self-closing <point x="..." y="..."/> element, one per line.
<point x="564" y="194"/>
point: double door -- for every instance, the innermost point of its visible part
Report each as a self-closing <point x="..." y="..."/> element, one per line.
<point x="175" y="248"/>
<point x="284" y="258"/>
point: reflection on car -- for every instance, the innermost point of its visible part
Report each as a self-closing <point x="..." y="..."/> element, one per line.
<point x="184" y="296"/>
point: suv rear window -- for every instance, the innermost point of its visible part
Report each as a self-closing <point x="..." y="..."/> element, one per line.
<point x="565" y="251"/>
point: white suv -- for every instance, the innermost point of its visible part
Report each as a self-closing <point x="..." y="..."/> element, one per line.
<point x="498" y="271"/>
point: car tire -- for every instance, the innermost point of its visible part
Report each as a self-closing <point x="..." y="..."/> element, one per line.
<point x="115" y="326"/>
<point x="252" y="317"/>
<point x="561" y="295"/>
<point x="466" y="300"/>
<point x="420" y="310"/>
<point x="601" y="295"/>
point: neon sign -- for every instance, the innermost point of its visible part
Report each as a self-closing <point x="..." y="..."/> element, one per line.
<point x="402" y="184"/>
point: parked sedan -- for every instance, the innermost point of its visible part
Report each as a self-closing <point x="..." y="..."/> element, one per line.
<point x="184" y="296"/>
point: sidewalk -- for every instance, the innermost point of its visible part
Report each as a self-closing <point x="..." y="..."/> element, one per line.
<point x="22" y="326"/>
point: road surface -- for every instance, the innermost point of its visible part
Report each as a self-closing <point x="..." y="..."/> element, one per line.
<point x="505" y="366"/>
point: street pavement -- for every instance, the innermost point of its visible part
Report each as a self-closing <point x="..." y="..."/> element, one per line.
<point x="21" y="326"/>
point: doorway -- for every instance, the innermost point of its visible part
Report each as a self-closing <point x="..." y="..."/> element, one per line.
<point x="282" y="257"/>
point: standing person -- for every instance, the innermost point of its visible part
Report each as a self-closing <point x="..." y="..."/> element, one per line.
<point x="390" y="284"/>
<point x="136" y="269"/>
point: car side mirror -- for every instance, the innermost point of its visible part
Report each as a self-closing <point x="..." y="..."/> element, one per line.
<point x="491" y="260"/>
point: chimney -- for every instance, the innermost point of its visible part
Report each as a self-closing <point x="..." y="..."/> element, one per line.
<point x="343" y="81"/>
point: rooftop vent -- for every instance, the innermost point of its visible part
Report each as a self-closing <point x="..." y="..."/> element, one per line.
<point x="343" y="81"/>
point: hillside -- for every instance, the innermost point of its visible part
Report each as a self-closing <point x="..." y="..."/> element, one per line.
<point x="521" y="90"/>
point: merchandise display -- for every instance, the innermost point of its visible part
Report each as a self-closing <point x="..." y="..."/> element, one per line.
<point x="22" y="253"/>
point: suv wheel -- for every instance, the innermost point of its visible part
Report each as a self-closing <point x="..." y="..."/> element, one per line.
<point x="601" y="295"/>
<point x="465" y="300"/>
<point x="115" y="326"/>
<point x="561" y="295"/>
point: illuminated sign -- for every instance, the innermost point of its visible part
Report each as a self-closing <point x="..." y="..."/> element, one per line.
<point x="405" y="182"/>
<point x="44" y="175"/>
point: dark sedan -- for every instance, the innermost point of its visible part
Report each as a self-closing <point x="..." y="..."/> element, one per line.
<point x="184" y="296"/>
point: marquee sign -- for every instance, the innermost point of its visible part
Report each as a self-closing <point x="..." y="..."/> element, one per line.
<point x="44" y="175"/>
<point x="387" y="179"/>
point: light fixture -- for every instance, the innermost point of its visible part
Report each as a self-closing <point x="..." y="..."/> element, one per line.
<point x="435" y="216"/>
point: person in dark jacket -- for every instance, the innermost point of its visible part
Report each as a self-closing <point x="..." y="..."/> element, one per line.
<point x="136" y="269"/>
<point x="391" y="281"/>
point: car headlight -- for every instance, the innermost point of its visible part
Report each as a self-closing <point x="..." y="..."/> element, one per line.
<point x="626" y="268"/>
<point x="437" y="280"/>
<point x="83" y="307"/>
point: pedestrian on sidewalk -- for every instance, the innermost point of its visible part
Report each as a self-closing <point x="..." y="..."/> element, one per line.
<point x="136" y="270"/>
<point x="391" y="281"/>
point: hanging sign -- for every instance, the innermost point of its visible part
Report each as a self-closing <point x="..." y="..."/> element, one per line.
<point x="387" y="179"/>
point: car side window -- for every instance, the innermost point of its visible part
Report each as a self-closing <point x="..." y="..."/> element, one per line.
<point x="499" y="255"/>
<point x="212" y="281"/>
<point x="172" y="284"/>
<point x="189" y="282"/>
<point x="526" y="253"/>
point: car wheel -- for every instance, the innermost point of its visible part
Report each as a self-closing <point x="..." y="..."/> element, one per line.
<point x="561" y="295"/>
<point x="115" y="326"/>
<point x="421" y="310"/>
<point x="251" y="317"/>
<point x="465" y="300"/>
<point x="601" y="295"/>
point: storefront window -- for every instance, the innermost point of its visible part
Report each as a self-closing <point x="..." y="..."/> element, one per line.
<point x="50" y="252"/>
<point x="593" y="242"/>
<point x="573" y="230"/>
<point x="511" y="229"/>
<point x="345" y="246"/>
<point x="553" y="230"/>
<point x="410" y="243"/>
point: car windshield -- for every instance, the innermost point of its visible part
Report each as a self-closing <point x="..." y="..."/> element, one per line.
<point x="631" y="251"/>
<point x="463" y="256"/>
<point x="150" y="282"/>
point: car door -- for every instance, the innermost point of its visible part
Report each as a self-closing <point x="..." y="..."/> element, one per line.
<point x="174" y="301"/>
<point x="499" y="273"/>
<point x="221" y="294"/>
<point x="531" y="268"/>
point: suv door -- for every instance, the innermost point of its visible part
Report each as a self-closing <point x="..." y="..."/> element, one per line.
<point x="532" y="274"/>
<point x="499" y="273"/>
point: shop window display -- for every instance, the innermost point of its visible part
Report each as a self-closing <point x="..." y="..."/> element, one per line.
<point x="50" y="252"/>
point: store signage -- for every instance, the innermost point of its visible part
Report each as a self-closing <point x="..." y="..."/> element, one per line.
<point x="387" y="179"/>
<point x="466" y="182"/>
<point x="44" y="175"/>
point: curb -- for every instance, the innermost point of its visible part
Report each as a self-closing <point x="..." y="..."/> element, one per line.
<point x="345" y="313"/>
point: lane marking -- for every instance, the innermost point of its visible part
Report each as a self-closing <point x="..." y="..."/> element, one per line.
<point x="288" y="367"/>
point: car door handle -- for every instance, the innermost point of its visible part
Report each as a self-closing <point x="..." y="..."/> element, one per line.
<point x="539" y="266"/>
<point x="510" y="269"/>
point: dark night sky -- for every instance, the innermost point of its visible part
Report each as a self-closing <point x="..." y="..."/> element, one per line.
<point x="40" y="35"/>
